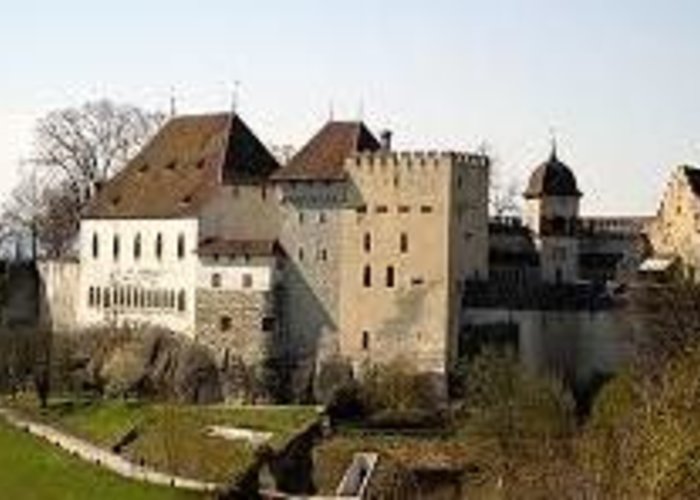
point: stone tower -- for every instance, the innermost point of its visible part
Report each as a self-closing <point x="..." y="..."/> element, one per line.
<point x="552" y="212"/>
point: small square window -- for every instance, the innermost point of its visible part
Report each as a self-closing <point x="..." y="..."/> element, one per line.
<point x="225" y="323"/>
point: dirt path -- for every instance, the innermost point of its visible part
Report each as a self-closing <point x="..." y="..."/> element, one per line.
<point x="103" y="458"/>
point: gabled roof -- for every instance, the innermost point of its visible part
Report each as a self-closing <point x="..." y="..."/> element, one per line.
<point x="323" y="157"/>
<point x="180" y="168"/>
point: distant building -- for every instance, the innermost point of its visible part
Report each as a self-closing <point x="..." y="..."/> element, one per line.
<point x="675" y="231"/>
<point x="555" y="246"/>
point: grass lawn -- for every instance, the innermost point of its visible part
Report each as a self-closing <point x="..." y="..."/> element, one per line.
<point x="31" y="469"/>
<point x="174" y="438"/>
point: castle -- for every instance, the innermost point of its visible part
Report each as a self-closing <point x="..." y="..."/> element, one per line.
<point x="349" y="250"/>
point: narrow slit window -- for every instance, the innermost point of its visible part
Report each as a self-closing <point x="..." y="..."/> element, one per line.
<point x="367" y="277"/>
<point x="390" y="277"/>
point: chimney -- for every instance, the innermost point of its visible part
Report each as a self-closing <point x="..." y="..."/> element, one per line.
<point x="385" y="140"/>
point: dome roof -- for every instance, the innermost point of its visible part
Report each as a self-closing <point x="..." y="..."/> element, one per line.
<point x="552" y="178"/>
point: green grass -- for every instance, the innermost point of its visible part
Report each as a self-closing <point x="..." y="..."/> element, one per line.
<point x="31" y="469"/>
<point x="174" y="438"/>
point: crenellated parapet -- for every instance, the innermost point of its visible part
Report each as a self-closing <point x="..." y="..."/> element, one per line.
<point x="414" y="159"/>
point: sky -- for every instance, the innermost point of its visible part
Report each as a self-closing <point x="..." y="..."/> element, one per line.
<point x="617" y="81"/>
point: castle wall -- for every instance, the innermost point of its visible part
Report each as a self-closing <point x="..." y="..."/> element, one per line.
<point x="147" y="289"/>
<point x="406" y="309"/>
<point x="242" y="212"/>
<point x="235" y="323"/>
<point x="579" y="345"/>
<point x="58" y="294"/>
<point x="310" y="237"/>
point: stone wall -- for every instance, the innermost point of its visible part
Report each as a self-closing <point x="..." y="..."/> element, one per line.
<point x="233" y="324"/>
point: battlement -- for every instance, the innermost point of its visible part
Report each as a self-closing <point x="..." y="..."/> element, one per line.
<point x="415" y="159"/>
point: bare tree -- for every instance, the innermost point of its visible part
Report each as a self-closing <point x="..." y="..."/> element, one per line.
<point x="89" y="144"/>
<point x="75" y="150"/>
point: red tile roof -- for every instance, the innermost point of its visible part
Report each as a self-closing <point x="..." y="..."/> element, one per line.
<point x="180" y="168"/>
<point x="323" y="157"/>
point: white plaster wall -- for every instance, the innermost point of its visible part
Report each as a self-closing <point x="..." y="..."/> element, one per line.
<point x="169" y="273"/>
<point x="232" y="271"/>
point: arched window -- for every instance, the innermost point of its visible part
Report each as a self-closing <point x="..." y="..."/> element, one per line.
<point x="181" y="306"/>
<point x="159" y="246"/>
<point x="115" y="247"/>
<point x="98" y="298"/>
<point x="367" y="277"/>
<point x="367" y="242"/>
<point x="91" y="296"/>
<point x="181" y="246"/>
<point x="95" y="246"/>
<point x="137" y="246"/>
<point x="365" y="340"/>
<point x="107" y="298"/>
<point x="171" y="300"/>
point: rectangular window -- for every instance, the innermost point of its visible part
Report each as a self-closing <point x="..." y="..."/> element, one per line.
<point x="382" y="209"/>
<point x="216" y="280"/>
<point x="268" y="324"/>
<point x="367" y="242"/>
<point x="426" y="209"/>
<point x="404" y="209"/>
<point x="247" y="280"/>
<point x="403" y="243"/>
<point x="390" y="278"/>
<point x="365" y="340"/>
<point x="367" y="277"/>
<point x="362" y="209"/>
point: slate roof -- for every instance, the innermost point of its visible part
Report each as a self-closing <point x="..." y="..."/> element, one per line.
<point x="180" y="168"/>
<point x="323" y="157"/>
<point x="552" y="178"/>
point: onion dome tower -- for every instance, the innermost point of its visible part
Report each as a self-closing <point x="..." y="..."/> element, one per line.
<point x="552" y="210"/>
